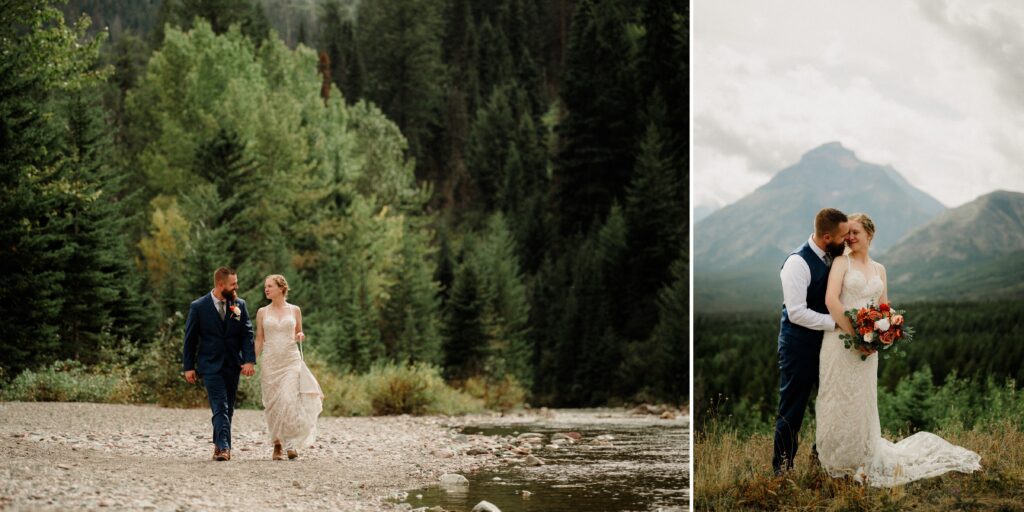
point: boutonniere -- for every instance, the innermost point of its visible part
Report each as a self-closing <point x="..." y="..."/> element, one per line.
<point x="236" y="311"/>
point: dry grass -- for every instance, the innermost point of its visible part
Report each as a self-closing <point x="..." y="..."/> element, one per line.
<point x="733" y="472"/>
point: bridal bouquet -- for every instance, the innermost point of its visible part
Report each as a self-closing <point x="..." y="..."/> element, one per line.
<point x="879" y="328"/>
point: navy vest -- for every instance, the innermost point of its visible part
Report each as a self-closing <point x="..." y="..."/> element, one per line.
<point x="815" y="298"/>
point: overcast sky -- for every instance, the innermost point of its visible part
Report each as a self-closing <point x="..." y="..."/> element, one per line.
<point x="934" y="88"/>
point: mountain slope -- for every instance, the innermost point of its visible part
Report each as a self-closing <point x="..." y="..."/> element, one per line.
<point x="760" y="229"/>
<point x="739" y="249"/>
<point x="973" y="251"/>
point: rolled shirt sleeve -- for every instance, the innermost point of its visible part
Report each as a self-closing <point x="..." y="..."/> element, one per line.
<point x="796" y="277"/>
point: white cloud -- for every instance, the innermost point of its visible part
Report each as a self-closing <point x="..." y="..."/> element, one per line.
<point x="927" y="88"/>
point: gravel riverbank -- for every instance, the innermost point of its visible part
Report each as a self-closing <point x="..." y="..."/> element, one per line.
<point x="59" y="456"/>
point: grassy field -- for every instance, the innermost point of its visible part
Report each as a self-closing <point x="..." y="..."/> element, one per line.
<point x="733" y="472"/>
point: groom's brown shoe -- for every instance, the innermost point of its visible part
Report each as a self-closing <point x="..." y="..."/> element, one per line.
<point x="278" y="455"/>
<point x="292" y="453"/>
<point x="221" y="455"/>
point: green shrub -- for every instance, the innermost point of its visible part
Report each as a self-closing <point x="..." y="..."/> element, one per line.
<point x="502" y="394"/>
<point x="158" y="370"/>
<point x="414" y="389"/>
<point x="390" y="388"/>
<point x="70" y="381"/>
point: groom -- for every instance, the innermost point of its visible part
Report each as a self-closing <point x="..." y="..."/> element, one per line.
<point x="219" y="347"/>
<point x="804" y="321"/>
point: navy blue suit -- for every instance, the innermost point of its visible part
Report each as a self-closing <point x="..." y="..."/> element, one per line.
<point x="216" y="349"/>
<point x="799" y="348"/>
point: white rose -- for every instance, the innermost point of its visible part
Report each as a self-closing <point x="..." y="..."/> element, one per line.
<point x="882" y="325"/>
<point x="867" y="337"/>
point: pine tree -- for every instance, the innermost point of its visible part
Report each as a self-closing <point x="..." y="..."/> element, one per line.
<point x="493" y="132"/>
<point x="496" y="68"/>
<point x="506" y="307"/>
<point x="100" y="269"/>
<point x="465" y="341"/>
<point x="669" y="348"/>
<point x="444" y="274"/>
<point x="411" y="329"/>
<point x="662" y="69"/>
<point x="597" y="136"/>
<point x="35" y="189"/>
<point x="303" y="37"/>
<point x="656" y="215"/>
<point x="338" y="39"/>
<point x="221" y="14"/>
<point x="401" y="41"/>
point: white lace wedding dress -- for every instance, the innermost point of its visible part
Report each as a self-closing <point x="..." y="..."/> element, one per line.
<point x="848" y="433"/>
<point x="292" y="399"/>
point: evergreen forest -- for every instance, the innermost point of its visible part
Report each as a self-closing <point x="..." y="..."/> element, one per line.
<point x="492" y="190"/>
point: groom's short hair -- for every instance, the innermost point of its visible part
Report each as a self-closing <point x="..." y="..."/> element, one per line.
<point x="827" y="221"/>
<point x="222" y="274"/>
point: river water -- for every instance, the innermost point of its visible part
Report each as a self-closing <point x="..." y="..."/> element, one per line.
<point x="643" y="466"/>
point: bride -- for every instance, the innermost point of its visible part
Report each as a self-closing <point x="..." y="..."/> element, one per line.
<point x="292" y="399"/>
<point x="848" y="434"/>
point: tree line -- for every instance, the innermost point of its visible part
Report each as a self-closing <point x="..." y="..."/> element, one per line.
<point x="962" y="356"/>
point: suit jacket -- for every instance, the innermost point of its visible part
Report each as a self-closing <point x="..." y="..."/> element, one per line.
<point x="211" y="343"/>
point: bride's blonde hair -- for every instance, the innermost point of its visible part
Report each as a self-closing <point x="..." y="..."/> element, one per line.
<point x="869" y="225"/>
<point x="280" y="281"/>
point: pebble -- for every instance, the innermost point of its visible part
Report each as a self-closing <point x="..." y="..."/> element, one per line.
<point x="531" y="460"/>
<point x="485" y="506"/>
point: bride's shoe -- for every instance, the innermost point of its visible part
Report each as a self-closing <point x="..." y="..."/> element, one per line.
<point x="277" y="452"/>
<point x="292" y="454"/>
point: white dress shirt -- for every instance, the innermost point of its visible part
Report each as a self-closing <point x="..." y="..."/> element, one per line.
<point x="796" y="277"/>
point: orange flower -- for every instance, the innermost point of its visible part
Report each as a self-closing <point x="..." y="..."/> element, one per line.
<point x="875" y="315"/>
<point x="888" y="337"/>
<point x="864" y="330"/>
<point x="897" y="320"/>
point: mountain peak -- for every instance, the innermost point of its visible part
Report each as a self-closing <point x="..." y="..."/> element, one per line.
<point x="831" y="150"/>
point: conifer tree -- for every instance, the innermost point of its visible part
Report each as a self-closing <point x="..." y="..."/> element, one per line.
<point x="100" y="271"/>
<point x="411" y="329"/>
<point x="669" y="345"/>
<point x="493" y="133"/>
<point x="656" y="216"/>
<point x="465" y="340"/>
<point x="597" y="136"/>
<point x="338" y="39"/>
<point x="38" y="190"/>
<point x="401" y="43"/>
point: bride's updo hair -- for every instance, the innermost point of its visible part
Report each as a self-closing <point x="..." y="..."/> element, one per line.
<point x="281" y="282"/>
<point x="869" y="225"/>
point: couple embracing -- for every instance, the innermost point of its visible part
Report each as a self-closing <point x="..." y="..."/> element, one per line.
<point x="829" y="274"/>
<point x="221" y="345"/>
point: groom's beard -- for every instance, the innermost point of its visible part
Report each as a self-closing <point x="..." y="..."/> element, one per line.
<point x="837" y="250"/>
<point x="229" y="295"/>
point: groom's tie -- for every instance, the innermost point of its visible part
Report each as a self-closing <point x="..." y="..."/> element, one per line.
<point x="220" y="309"/>
<point x="828" y="261"/>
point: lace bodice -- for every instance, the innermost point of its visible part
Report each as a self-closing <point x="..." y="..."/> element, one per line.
<point x="278" y="332"/>
<point x="859" y="289"/>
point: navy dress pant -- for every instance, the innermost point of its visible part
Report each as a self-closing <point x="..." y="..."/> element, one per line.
<point x="221" y="389"/>
<point x="798" y="375"/>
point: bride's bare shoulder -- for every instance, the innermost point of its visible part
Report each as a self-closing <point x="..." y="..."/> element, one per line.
<point x="839" y="265"/>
